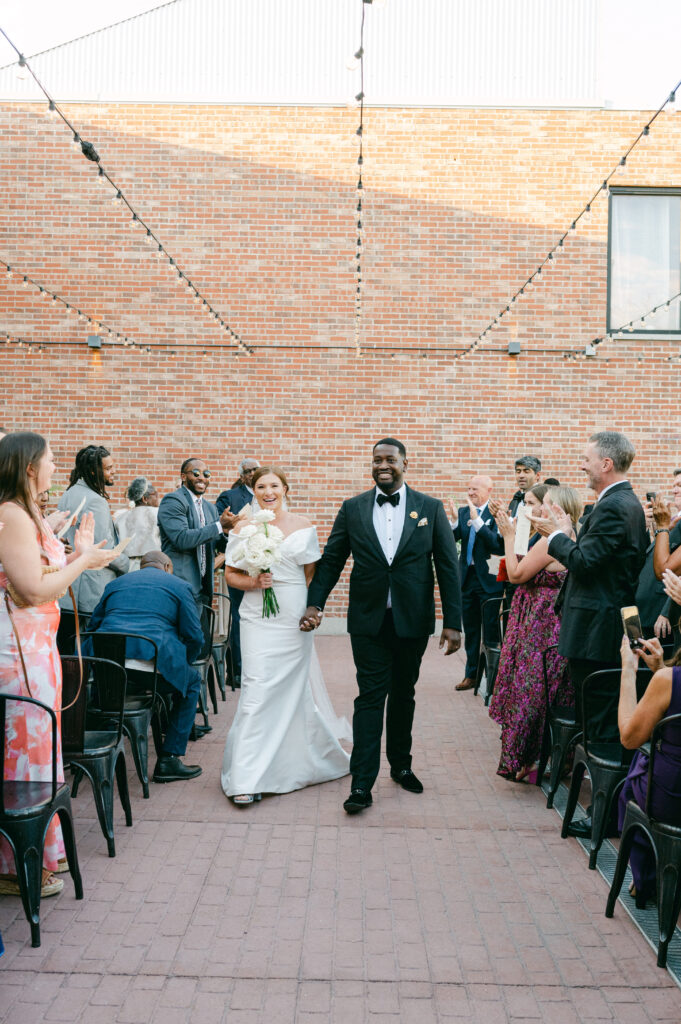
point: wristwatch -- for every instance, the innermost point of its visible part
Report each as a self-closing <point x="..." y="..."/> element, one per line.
<point x="663" y="529"/>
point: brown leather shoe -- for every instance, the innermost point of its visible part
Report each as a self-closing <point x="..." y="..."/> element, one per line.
<point x="466" y="684"/>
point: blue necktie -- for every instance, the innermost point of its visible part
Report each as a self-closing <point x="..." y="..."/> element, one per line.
<point x="471" y="540"/>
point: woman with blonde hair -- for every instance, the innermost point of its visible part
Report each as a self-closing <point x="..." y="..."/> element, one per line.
<point x="519" y="700"/>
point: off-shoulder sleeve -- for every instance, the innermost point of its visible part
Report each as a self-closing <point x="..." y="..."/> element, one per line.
<point x="233" y="543"/>
<point x="308" y="550"/>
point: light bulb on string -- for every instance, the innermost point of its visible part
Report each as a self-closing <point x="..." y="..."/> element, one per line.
<point x="623" y="165"/>
<point x="101" y="177"/>
<point x="117" y="198"/>
<point x="52" y="109"/>
<point x="75" y="141"/>
<point x="672" y="105"/>
<point x="133" y="221"/>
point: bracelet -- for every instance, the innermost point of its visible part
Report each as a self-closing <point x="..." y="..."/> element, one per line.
<point x="663" y="529"/>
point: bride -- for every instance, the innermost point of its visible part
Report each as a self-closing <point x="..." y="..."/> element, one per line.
<point x="285" y="734"/>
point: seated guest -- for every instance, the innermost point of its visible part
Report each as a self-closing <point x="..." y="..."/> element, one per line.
<point x="474" y="526"/>
<point x="90" y="477"/>
<point x="240" y="495"/>
<point x="139" y="521"/>
<point x="156" y="604"/>
<point x="636" y="721"/>
<point x="519" y="700"/>
<point x="190" y="528"/>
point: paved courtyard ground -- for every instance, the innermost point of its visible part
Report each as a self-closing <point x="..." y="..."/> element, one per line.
<point x="459" y="904"/>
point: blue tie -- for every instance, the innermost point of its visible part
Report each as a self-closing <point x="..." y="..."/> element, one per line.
<point x="471" y="540"/>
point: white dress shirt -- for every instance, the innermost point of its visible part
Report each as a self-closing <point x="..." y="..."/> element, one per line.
<point x="198" y="498"/>
<point x="389" y="522"/>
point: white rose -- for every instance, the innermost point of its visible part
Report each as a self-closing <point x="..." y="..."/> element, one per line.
<point x="257" y="543"/>
<point x="248" y="531"/>
<point x="263" y="516"/>
<point x="274" y="533"/>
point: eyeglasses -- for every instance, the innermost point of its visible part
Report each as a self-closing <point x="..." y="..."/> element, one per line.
<point x="197" y="472"/>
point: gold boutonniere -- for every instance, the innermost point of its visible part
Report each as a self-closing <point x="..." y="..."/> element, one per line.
<point x="414" y="515"/>
<point x="422" y="522"/>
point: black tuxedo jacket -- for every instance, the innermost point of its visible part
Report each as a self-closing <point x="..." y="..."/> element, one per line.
<point x="409" y="578"/>
<point x="603" y="566"/>
<point x="486" y="544"/>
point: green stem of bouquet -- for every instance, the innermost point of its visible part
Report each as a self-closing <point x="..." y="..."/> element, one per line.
<point x="270" y="605"/>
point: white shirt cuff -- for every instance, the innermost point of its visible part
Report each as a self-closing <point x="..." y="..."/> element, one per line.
<point x="477" y="523"/>
<point x="219" y="526"/>
<point x="556" y="533"/>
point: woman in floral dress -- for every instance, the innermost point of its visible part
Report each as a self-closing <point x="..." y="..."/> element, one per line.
<point x="34" y="572"/>
<point x="519" y="701"/>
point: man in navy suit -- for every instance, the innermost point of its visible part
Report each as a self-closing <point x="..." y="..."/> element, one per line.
<point x="235" y="499"/>
<point x="395" y="536"/>
<point x="160" y="606"/>
<point x="190" y="528"/>
<point x="477" y="530"/>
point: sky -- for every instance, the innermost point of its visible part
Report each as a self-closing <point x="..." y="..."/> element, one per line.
<point x="640" y="56"/>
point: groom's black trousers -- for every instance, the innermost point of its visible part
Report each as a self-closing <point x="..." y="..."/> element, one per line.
<point x="387" y="666"/>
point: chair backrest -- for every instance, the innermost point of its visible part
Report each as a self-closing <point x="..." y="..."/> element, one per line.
<point x="666" y="735"/>
<point x="113" y="647"/>
<point x="227" y="598"/>
<point x="610" y="677"/>
<point x="108" y="682"/>
<point x="6" y="698"/>
<point x="492" y="606"/>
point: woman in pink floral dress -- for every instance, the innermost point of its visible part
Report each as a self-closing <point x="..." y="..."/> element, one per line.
<point x="34" y="572"/>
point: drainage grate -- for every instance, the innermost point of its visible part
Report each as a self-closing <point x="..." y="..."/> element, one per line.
<point x="645" y="920"/>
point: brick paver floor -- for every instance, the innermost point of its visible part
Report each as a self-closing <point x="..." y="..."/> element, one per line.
<point x="462" y="903"/>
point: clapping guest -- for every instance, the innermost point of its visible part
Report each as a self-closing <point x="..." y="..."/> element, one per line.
<point x="654" y="609"/>
<point x="661" y="699"/>
<point x="34" y="572"/>
<point x="519" y="700"/>
<point x="475" y="528"/>
<point x="140" y="520"/>
<point x="91" y="475"/>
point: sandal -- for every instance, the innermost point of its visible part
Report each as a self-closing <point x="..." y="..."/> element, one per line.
<point x="51" y="885"/>
<point x="243" y="799"/>
<point x="62" y="866"/>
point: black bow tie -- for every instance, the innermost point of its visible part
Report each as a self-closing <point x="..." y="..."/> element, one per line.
<point x="394" y="499"/>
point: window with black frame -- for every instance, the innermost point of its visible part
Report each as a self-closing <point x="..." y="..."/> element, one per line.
<point x="644" y="260"/>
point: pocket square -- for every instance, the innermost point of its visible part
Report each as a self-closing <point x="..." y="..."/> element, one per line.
<point x="422" y="522"/>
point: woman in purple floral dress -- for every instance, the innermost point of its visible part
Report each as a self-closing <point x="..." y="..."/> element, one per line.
<point x="519" y="702"/>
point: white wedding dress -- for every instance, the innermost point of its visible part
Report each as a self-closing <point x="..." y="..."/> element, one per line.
<point x="285" y="734"/>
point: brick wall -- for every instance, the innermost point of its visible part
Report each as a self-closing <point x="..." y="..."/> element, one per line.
<point x="258" y="206"/>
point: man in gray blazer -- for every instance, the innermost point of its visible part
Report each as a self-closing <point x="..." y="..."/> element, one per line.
<point x="91" y="475"/>
<point x="190" y="528"/>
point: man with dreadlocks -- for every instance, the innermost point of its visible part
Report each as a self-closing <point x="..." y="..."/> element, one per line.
<point x="91" y="475"/>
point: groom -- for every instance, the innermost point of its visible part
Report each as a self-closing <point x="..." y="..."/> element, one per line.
<point x="394" y="535"/>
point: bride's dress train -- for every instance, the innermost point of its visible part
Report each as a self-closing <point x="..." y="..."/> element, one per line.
<point x="285" y="734"/>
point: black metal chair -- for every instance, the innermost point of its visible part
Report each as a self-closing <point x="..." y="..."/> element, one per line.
<point x="490" y="646"/>
<point x="222" y="649"/>
<point x="607" y="764"/>
<point x="26" y="810"/>
<point x="665" y="840"/>
<point x="142" y="700"/>
<point x="561" y="732"/>
<point x="206" y="665"/>
<point x="98" y="753"/>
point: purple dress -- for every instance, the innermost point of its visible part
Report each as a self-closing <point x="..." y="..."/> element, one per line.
<point x="666" y="801"/>
<point x="519" y="703"/>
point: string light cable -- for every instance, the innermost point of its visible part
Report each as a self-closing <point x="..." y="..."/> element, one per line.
<point x="90" y="153"/>
<point x="559" y="248"/>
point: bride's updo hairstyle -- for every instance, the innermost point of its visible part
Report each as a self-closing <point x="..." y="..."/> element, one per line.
<point x="265" y="471"/>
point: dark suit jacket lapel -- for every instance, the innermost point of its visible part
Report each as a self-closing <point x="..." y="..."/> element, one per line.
<point x="411" y="504"/>
<point x="191" y="507"/>
<point x="367" y="516"/>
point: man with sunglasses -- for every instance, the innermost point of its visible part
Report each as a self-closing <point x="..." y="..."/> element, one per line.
<point x="190" y="529"/>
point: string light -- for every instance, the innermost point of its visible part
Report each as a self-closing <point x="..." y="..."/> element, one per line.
<point x="358" y="61"/>
<point x="90" y="153"/>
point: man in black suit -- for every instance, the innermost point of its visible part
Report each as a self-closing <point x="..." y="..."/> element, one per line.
<point x="476" y="528"/>
<point x="394" y="535"/>
<point x="235" y="499"/>
<point x="603" y="563"/>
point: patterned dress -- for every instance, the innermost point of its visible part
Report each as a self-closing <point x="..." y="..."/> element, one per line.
<point x="28" y="736"/>
<point x="519" y="703"/>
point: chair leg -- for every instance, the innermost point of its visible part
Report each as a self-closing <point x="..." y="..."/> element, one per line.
<point x="156" y="731"/>
<point x="573" y="796"/>
<point x="211" y="677"/>
<point x="66" y="822"/>
<point x="559" y="753"/>
<point x="77" y="776"/>
<point x="101" y="773"/>
<point x="604" y="787"/>
<point x="492" y="669"/>
<point x="219" y="663"/>
<point x="28" y="860"/>
<point x="668" y="894"/>
<point x="123" y="791"/>
<point x="480" y="671"/>
<point x="626" y="842"/>
<point x="544" y="751"/>
<point x="137" y="732"/>
<point x="202" y="706"/>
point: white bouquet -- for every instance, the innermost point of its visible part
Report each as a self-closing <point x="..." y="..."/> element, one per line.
<point x="257" y="551"/>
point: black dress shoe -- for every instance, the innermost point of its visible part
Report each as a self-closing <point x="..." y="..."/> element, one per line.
<point x="407" y="780"/>
<point x="169" y="768"/>
<point x="580" y="829"/>
<point x="199" y="730"/>
<point x="358" y="800"/>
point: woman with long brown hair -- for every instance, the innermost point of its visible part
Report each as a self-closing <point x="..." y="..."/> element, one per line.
<point x="34" y="572"/>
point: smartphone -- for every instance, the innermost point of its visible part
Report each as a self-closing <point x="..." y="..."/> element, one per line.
<point x="631" y="621"/>
<point x="651" y="495"/>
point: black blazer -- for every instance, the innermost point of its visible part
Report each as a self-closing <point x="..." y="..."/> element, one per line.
<point x="486" y="544"/>
<point x="603" y="565"/>
<point x="236" y="498"/>
<point x="409" y="578"/>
